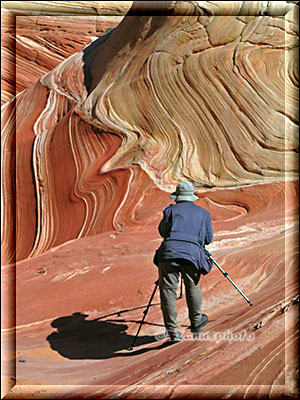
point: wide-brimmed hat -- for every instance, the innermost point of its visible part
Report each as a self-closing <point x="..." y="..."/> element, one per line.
<point x="184" y="192"/>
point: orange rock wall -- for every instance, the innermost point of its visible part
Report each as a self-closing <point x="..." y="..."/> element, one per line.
<point x="92" y="145"/>
<point x="210" y="99"/>
<point x="34" y="45"/>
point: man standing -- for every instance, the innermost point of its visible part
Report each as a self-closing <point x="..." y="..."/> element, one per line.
<point x="186" y="229"/>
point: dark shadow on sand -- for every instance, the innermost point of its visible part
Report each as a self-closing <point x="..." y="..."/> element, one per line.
<point x="76" y="338"/>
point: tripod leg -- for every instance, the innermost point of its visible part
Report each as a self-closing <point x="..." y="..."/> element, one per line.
<point x="226" y="276"/>
<point x="145" y="313"/>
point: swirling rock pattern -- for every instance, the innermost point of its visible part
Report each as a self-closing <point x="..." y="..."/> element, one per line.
<point x="68" y="8"/>
<point x="34" y="45"/>
<point x="109" y="278"/>
<point x="196" y="89"/>
<point x="210" y="99"/>
<point x="207" y="93"/>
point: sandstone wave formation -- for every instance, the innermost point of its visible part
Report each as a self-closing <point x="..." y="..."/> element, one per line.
<point x="209" y="99"/>
<point x="198" y="91"/>
<point x="33" y="45"/>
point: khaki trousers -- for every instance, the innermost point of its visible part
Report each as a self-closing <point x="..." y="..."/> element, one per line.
<point x="168" y="283"/>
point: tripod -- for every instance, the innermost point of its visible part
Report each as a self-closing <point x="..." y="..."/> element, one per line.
<point x="145" y="312"/>
<point x="226" y="276"/>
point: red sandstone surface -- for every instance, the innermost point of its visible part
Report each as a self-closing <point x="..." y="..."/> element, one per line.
<point x="109" y="278"/>
<point x="101" y="141"/>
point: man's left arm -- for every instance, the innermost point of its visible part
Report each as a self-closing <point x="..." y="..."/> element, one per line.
<point x="163" y="227"/>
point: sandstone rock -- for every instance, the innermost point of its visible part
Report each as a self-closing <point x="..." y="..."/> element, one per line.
<point x="210" y="99"/>
<point x="34" y="45"/>
<point x="94" y="142"/>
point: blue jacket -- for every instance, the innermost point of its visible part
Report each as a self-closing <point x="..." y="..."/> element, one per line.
<point x="186" y="229"/>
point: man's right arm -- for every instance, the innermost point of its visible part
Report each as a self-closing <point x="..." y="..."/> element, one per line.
<point x="209" y="231"/>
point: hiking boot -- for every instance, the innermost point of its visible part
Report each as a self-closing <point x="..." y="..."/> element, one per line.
<point x="176" y="338"/>
<point x="203" y="322"/>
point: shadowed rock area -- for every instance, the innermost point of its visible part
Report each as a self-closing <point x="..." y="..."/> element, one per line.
<point x="199" y="91"/>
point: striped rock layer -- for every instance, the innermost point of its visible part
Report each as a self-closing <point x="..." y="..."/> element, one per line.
<point x="198" y="91"/>
<point x="209" y="99"/>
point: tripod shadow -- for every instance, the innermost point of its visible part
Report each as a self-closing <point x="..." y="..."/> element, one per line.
<point x="76" y="338"/>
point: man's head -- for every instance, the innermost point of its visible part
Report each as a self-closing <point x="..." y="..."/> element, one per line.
<point x="184" y="192"/>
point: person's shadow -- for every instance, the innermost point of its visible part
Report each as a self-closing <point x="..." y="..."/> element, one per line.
<point x="77" y="339"/>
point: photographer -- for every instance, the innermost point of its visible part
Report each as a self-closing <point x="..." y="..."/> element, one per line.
<point x="186" y="229"/>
